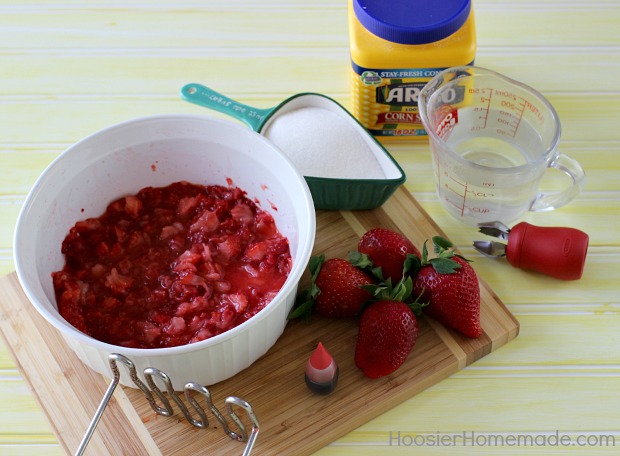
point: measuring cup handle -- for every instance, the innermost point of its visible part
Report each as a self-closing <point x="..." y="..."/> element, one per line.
<point x="208" y="98"/>
<point x="550" y="201"/>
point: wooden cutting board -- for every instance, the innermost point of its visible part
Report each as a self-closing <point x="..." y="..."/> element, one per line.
<point x="292" y="419"/>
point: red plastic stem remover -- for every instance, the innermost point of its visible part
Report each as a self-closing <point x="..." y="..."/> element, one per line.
<point x="555" y="251"/>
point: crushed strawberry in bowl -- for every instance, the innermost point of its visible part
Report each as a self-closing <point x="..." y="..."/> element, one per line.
<point x="171" y="266"/>
<point x="177" y="241"/>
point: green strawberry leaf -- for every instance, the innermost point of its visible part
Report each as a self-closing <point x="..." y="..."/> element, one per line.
<point x="411" y="265"/>
<point x="314" y="266"/>
<point x="446" y="254"/>
<point x="440" y="244"/>
<point x="425" y="253"/>
<point x="444" y="251"/>
<point x="463" y="258"/>
<point x="377" y="273"/>
<point x="403" y="289"/>
<point x="305" y="299"/>
<point x="385" y="291"/>
<point x="416" y="306"/>
<point x="444" y="265"/>
<point x="377" y="290"/>
<point x="363" y="261"/>
<point x="303" y="310"/>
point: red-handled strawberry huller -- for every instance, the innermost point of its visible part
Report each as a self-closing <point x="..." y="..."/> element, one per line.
<point x="555" y="251"/>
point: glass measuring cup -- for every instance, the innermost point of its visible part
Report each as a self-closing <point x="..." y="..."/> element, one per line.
<point x="492" y="139"/>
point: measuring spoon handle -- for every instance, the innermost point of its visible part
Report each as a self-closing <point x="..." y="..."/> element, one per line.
<point x="208" y="98"/>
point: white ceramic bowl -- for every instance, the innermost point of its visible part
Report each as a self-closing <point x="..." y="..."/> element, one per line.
<point x="156" y="151"/>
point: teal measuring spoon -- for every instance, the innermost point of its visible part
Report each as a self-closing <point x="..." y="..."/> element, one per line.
<point x="208" y="98"/>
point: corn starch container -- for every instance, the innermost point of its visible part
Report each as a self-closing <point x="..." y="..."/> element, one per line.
<point x="396" y="48"/>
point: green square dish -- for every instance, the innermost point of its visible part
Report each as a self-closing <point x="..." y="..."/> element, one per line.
<point x="328" y="193"/>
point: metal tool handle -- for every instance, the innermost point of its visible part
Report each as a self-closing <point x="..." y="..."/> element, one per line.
<point x="556" y="251"/>
<point x="99" y="413"/>
<point x="166" y="409"/>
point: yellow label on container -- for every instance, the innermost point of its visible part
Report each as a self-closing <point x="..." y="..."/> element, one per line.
<point x="385" y="101"/>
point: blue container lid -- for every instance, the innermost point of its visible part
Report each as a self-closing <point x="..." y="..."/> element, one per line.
<point x="412" y="21"/>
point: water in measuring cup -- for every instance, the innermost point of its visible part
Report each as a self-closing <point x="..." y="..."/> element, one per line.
<point x="483" y="141"/>
<point x="477" y="194"/>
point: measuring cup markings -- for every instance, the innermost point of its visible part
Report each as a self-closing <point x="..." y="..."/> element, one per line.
<point x="463" y="191"/>
<point x="465" y="194"/>
<point x="519" y="117"/>
<point x="448" y="187"/>
<point x="509" y="116"/>
<point x="488" y="106"/>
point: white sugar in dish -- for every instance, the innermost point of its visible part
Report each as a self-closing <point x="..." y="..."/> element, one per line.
<point x="321" y="143"/>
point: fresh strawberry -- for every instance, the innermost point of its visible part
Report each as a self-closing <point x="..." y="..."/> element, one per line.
<point x="336" y="289"/>
<point x="450" y="287"/>
<point x="388" y="250"/>
<point x="388" y="331"/>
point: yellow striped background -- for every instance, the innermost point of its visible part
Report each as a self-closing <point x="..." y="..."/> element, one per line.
<point x="69" y="68"/>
